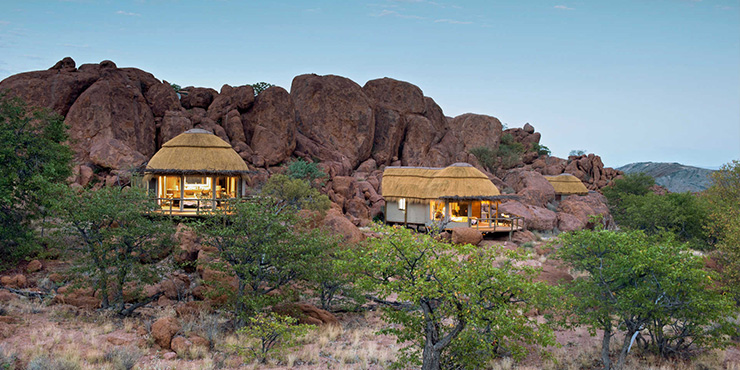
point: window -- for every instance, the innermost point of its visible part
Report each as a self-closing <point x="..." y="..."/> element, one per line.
<point x="402" y="204"/>
<point x="436" y="210"/>
<point x="459" y="211"/>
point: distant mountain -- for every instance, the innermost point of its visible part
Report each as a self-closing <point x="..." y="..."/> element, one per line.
<point x="675" y="177"/>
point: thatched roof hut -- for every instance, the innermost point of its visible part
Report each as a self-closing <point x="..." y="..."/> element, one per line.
<point x="197" y="151"/>
<point x="567" y="184"/>
<point x="421" y="184"/>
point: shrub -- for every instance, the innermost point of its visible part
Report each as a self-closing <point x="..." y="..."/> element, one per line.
<point x="540" y="149"/>
<point x="49" y="363"/>
<point x="309" y="171"/>
<point x="123" y="358"/>
<point x="486" y="157"/>
<point x="268" y="334"/>
<point x="296" y="193"/>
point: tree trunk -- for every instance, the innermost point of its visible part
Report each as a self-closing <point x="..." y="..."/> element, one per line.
<point x="625" y="348"/>
<point x="605" y="347"/>
<point x="430" y="357"/>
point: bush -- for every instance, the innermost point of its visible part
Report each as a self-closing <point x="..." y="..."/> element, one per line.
<point x="49" y="363"/>
<point x="268" y="334"/>
<point x="123" y="358"/>
<point x="540" y="149"/>
<point x="507" y="155"/>
<point x="308" y="171"/>
<point x="635" y="207"/>
<point x="486" y="157"/>
<point x="296" y="193"/>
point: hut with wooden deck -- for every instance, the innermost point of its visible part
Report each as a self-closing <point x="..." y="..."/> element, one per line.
<point x="455" y="196"/>
<point x="566" y="184"/>
<point x="194" y="173"/>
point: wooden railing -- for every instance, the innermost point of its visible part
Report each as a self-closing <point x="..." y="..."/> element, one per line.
<point x="512" y="223"/>
<point x="193" y="206"/>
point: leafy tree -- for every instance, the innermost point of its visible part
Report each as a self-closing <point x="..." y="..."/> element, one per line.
<point x="630" y="184"/>
<point x="33" y="159"/>
<point x="296" y="193"/>
<point x="723" y="199"/>
<point x="635" y="282"/>
<point x="268" y="333"/>
<point x="330" y="274"/>
<point x="304" y="170"/>
<point x="576" y="153"/>
<point x="455" y="304"/>
<point x="115" y="234"/>
<point x="265" y="245"/>
<point x="176" y="87"/>
<point x="260" y="87"/>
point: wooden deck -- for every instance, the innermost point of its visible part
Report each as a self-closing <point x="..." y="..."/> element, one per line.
<point x="498" y="225"/>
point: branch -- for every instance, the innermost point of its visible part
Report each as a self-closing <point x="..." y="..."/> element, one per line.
<point x="133" y="307"/>
<point x="398" y="305"/>
<point x="27" y="293"/>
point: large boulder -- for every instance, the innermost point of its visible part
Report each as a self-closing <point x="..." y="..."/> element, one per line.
<point x="477" y="130"/>
<point x="420" y="136"/>
<point x="112" y="108"/>
<point x="400" y="96"/>
<point x="466" y="235"/>
<point x="334" y="112"/>
<point x="271" y="125"/>
<point x="109" y="152"/>
<point x="163" y="330"/>
<point x="56" y="88"/>
<point x="583" y="207"/>
<point x="338" y="224"/>
<point x="197" y="97"/>
<point x="531" y="186"/>
<point x="162" y="98"/>
<point x="535" y="218"/>
<point x="174" y="123"/>
<point x="389" y="131"/>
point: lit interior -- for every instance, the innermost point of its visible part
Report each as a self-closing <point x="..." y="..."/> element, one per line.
<point x="188" y="192"/>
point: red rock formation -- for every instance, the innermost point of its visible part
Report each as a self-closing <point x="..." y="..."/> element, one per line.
<point x="335" y="113"/>
<point x="271" y="125"/>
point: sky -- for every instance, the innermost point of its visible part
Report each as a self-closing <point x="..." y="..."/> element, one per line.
<point x="631" y="81"/>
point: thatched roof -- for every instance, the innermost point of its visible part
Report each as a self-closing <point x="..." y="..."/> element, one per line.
<point x="567" y="184"/>
<point x="420" y="184"/>
<point x="196" y="152"/>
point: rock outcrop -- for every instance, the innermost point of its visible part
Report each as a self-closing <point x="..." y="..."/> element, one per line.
<point x="119" y="117"/>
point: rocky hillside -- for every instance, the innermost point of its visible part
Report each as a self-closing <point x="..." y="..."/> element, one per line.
<point x="119" y="117"/>
<point x="675" y="177"/>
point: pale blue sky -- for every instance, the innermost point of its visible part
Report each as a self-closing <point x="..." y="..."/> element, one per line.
<point x="655" y="80"/>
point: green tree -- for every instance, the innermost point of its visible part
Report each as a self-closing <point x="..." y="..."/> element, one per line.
<point x="115" y="235"/>
<point x="723" y="199"/>
<point x="576" y="153"/>
<point x="308" y="171"/>
<point x="296" y="193"/>
<point x="265" y="245"/>
<point x="330" y="274"/>
<point x="635" y="282"/>
<point x="260" y="87"/>
<point x="455" y="304"/>
<point x="32" y="159"/>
